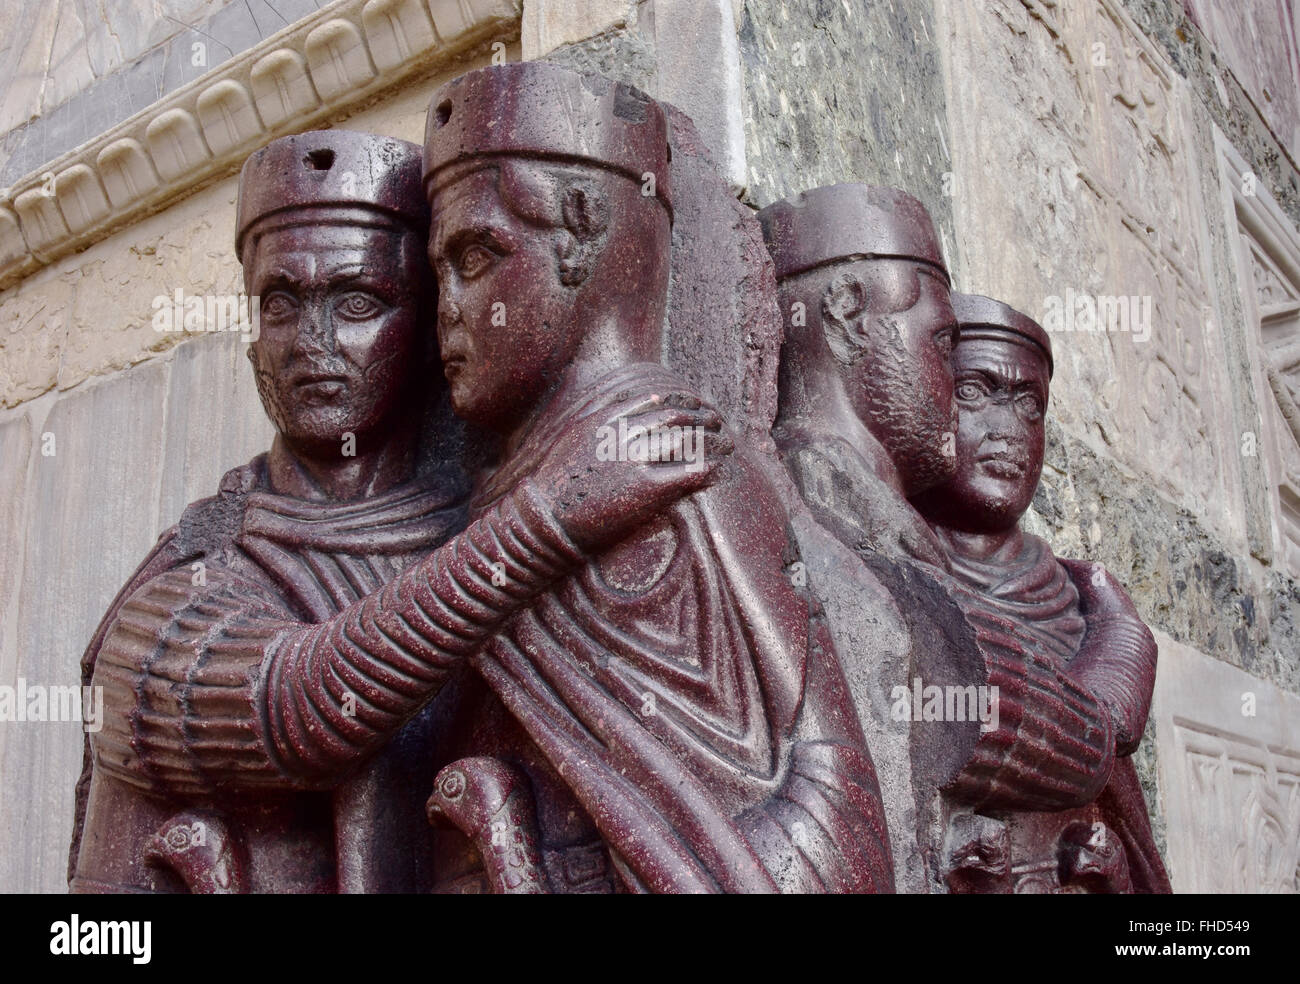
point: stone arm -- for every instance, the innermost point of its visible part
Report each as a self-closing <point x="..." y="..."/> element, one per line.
<point x="1117" y="660"/>
<point x="1061" y="729"/>
<point x="1054" y="744"/>
<point x="215" y="688"/>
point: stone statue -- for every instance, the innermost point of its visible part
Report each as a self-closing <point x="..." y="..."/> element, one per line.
<point x="1049" y="800"/>
<point x="299" y="533"/>
<point x="605" y="681"/>
<point x="868" y="430"/>
<point x="269" y="671"/>
<point x="866" y="417"/>
<point x="672" y="708"/>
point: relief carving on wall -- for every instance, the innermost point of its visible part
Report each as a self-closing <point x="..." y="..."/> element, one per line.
<point x="1249" y="794"/>
<point x="1119" y="151"/>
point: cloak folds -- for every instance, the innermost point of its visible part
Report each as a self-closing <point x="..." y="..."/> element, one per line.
<point x="843" y="483"/>
<point x="687" y="694"/>
<point x="1058" y="670"/>
<point x="1024" y="582"/>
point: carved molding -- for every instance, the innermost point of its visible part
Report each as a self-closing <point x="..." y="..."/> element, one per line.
<point x="323" y="64"/>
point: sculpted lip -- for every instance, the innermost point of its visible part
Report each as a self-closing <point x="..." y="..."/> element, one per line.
<point x="454" y="357"/>
<point x="311" y="377"/>
<point x="1002" y="465"/>
<point x="318" y="383"/>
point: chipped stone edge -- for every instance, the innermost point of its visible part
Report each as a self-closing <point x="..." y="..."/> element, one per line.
<point x="306" y="73"/>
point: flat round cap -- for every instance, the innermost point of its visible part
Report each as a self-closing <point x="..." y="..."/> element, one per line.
<point x="545" y="111"/>
<point x="848" y="222"/>
<point x="331" y="168"/>
<point x="983" y="317"/>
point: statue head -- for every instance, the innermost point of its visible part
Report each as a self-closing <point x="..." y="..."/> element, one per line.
<point x="1002" y="367"/>
<point x="864" y="292"/>
<point x="331" y="228"/>
<point x="550" y="235"/>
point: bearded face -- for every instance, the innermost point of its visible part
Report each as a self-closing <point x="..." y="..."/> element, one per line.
<point x="897" y="339"/>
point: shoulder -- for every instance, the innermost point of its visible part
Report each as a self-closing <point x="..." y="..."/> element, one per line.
<point x="1100" y="592"/>
<point x="202" y="526"/>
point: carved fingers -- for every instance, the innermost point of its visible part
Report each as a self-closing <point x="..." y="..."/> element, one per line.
<point x="609" y="475"/>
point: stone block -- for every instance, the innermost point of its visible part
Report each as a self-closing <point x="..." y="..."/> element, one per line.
<point x="1228" y="760"/>
<point x="33" y="325"/>
<point x="699" y="72"/>
<point x="214" y="420"/>
<point x="94" y="517"/>
<point x="15" y="453"/>
<point x="548" y="25"/>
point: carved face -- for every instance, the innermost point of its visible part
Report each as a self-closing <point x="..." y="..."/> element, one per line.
<point x="507" y="324"/>
<point x="900" y="380"/>
<point x="340" y="335"/>
<point x="1002" y="389"/>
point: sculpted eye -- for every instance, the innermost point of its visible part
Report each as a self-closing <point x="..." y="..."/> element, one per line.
<point x="473" y="260"/>
<point x="357" y="305"/>
<point x="278" y="306"/>
<point x="969" y="391"/>
<point x="1029" y="405"/>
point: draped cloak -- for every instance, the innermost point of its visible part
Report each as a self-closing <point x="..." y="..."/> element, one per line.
<point x="249" y="550"/>
<point x="1022" y="597"/>
<point x="687" y="694"/>
<point x="843" y="483"/>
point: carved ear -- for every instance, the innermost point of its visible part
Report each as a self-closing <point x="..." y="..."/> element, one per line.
<point x="586" y="218"/>
<point x="845" y="298"/>
<point x="843" y="303"/>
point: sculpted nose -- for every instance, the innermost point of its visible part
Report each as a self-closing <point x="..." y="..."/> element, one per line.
<point x="316" y="330"/>
<point x="1006" y="425"/>
<point x="999" y="421"/>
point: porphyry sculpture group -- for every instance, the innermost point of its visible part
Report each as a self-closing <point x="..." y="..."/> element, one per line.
<point x="526" y="604"/>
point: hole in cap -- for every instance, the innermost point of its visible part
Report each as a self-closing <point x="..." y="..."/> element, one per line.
<point x="443" y="113"/>
<point x="319" y="160"/>
<point x="630" y="104"/>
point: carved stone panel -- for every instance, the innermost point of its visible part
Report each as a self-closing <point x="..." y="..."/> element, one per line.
<point x="1268" y="279"/>
<point x="1258" y="44"/>
<point x="1228" y="760"/>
